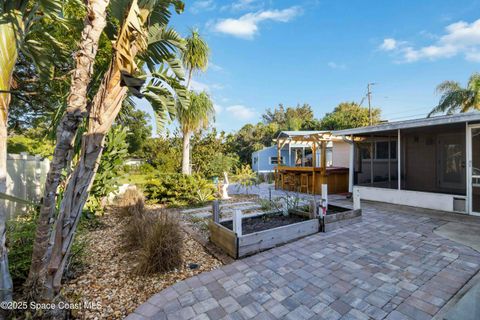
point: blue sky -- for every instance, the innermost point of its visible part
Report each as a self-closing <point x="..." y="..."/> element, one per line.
<point x="324" y="52"/>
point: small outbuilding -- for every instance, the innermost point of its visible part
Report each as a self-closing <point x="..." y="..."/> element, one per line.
<point x="431" y="163"/>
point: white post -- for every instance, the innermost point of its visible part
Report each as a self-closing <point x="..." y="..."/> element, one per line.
<point x="356" y="199"/>
<point x="237" y="222"/>
<point x="325" y="195"/>
<point x="352" y="164"/>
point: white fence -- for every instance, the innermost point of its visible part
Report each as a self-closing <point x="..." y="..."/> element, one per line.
<point x="26" y="178"/>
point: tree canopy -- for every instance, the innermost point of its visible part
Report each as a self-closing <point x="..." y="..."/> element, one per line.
<point x="349" y="115"/>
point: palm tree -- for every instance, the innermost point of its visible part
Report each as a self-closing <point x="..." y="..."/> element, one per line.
<point x="94" y="24"/>
<point x="142" y="33"/>
<point x="19" y="31"/>
<point x="455" y="98"/>
<point x="197" y="116"/>
<point x="195" y="55"/>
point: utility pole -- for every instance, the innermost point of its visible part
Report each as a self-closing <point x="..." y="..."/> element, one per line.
<point x="369" y="95"/>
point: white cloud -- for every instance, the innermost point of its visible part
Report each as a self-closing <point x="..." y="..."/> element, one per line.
<point x="241" y="112"/>
<point x="214" y="67"/>
<point x="335" y="65"/>
<point x="202" y="5"/>
<point x="247" y="25"/>
<point x="460" y="38"/>
<point x="388" y="44"/>
<point x="245" y="5"/>
<point x="218" y="108"/>
<point x="199" y="86"/>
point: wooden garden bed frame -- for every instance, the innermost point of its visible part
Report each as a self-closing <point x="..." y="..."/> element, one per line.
<point x="238" y="245"/>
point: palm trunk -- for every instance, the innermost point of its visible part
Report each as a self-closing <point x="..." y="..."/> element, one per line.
<point x="105" y="107"/>
<point x="186" y="154"/>
<point x="8" y="57"/>
<point x="76" y="111"/>
<point x="190" y="73"/>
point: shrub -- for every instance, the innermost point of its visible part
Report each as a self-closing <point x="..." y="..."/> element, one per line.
<point x="178" y="189"/>
<point x="20" y="236"/>
<point x="245" y="177"/>
<point x="161" y="248"/>
<point x="106" y="179"/>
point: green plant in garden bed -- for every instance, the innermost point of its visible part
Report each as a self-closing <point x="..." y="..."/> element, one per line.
<point x="179" y="190"/>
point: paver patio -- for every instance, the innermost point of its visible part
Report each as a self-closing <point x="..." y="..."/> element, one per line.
<point x="389" y="266"/>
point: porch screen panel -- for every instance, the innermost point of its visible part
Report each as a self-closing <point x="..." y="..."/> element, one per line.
<point x="362" y="171"/>
<point x="476" y="170"/>
<point x="385" y="163"/>
<point x="376" y="162"/>
<point x="434" y="160"/>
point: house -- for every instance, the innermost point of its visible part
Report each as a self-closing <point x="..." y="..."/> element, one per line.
<point x="431" y="163"/>
<point x="292" y="153"/>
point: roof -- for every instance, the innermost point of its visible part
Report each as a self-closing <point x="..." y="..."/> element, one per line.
<point x="415" y="123"/>
<point x="265" y="148"/>
<point x="299" y="133"/>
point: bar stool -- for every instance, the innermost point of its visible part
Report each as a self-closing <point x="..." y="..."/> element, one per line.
<point x="304" y="183"/>
<point x="291" y="182"/>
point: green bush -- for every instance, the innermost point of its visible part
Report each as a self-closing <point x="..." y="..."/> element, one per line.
<point x="178" y="189"/>
<point x="106" y="179"/>
<point x="21" y="143"/>
<point x="20" y="236"/>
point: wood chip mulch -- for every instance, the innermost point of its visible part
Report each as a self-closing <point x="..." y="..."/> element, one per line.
<point x="110" y="278"/>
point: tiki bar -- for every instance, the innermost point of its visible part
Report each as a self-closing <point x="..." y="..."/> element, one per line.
<point x="307" y="159"/>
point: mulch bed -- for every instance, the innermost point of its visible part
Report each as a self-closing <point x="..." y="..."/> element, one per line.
<point x="110" y="277"/>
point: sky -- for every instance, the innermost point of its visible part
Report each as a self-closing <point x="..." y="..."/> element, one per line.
<point x="325" y="52"/>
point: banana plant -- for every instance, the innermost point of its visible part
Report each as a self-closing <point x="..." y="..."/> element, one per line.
<point x="20" y="32"/>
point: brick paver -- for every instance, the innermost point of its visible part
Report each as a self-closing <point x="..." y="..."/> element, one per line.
<point x="388" y="266"/>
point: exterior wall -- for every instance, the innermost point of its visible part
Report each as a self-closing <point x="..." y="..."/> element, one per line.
<point x="427" y="200"/>
<point x="263" y="156"/>
<point x="340" y="154"/>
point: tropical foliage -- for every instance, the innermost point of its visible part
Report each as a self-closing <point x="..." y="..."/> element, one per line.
<point x="455" y="98"/>
<point x="106" y="179"/>
<point x="179" y="189"/>
<point x="349" y="115"/>
<point x="197" y="116"/>
<point x="195" y="56"/>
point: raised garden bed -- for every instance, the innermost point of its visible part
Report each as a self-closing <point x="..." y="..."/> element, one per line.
<point x="268" y="230"/>
<point x="336" y="216"/>
<point x="260" y="233"/>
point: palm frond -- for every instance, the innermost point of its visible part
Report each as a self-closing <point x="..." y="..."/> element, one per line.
<point x="452" y="101"/>
<point x="456" y="98"/>
<point x="447" y="86"/>
<point x="198" y="114"/>
<point x="163" y="43"/>
<point x="196" y="53"/>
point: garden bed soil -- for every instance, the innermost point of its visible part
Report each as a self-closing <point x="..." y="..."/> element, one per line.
<point x="110" y="278"/>
<point x="265" y="222"/>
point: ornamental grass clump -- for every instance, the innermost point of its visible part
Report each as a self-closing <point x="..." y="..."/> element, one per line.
<point x="132" y="203"/>
<point x="161" y="248"/>
<point x="154" y="238"/>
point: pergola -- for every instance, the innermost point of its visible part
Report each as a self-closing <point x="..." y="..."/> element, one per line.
<point x="306" y="179"/>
